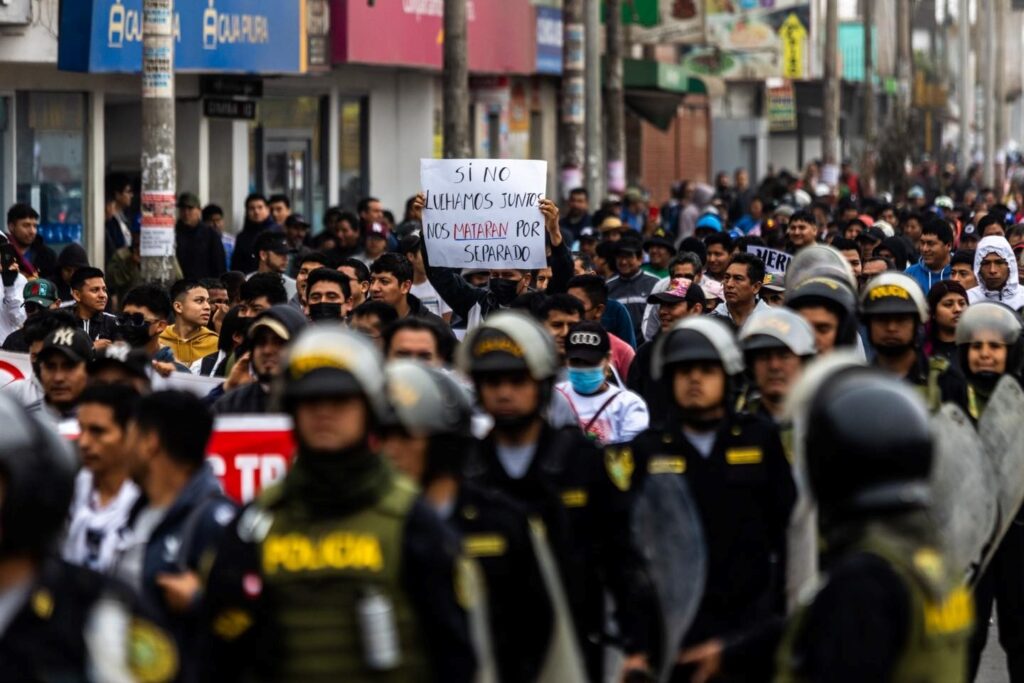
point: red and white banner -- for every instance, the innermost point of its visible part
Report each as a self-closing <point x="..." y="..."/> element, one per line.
<point x="247" y="452"/>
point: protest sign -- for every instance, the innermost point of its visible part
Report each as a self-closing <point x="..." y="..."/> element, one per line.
<point x="484" y="213"/>
<point x="15" y="366"/>
<point x="247" y="453"/>
<point x="775" y="261"/>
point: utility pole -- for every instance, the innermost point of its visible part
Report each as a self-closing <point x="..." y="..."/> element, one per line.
<point x="988" y="85"/>
<point x="574" y="106"/>
<point x="904" y="61"/>
<point x="870" y="105"/>
<point x="999" y="101"/>
<point x="595" y="141"/>
<point x="830" y="131"/>
<point x="614" y="103"/>
<point x="158" y="170"/>
<point x="965" y="91"/>
<point x="456" y="81"/>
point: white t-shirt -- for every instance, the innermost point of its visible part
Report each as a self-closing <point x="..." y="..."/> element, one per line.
<point x="430" y="299"/>
<point x="620" y="421"/>
<point x="516" y="460"/>
<point x="93" y="532"/>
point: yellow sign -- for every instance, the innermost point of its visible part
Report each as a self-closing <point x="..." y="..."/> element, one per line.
<point x="794" y="41"/>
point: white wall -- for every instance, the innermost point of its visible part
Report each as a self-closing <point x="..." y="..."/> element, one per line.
<point x="35" y="43"/>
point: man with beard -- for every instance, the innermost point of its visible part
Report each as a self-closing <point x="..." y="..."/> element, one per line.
<point x="894" y="310"/>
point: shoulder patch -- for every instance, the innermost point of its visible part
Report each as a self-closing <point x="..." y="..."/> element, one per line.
<point x="666" y="464"/>
<point x="153" y="658"/>
<point x="619" y="464"/>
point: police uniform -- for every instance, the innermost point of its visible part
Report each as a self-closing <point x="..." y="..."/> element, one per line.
<point x="744" y="491"/>
<point x="340" y="572"/>
<point x="583" y="499"/>
<point x="61" y="622"/>
<point x="495" y="532"/>
<point x="888" y="608"/>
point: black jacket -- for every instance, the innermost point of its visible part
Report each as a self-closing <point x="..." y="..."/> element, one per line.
<point x="200" y="251"/>
<point x="243" y="259"/>
<point x="43" y="260"/>
<point x="495" y="532"/>
<point x="744" y="492"/>
<point x="100" y="326"/>
<point x="588" y="525"/>
<point x="252" y="398"/>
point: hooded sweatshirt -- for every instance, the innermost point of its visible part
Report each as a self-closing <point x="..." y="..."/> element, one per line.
<point x="202" y="343"/>
<point x="1011" y="293"/>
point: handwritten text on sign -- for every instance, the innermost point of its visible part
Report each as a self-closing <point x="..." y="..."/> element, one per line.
<point x="775" y="261"/>
<point x="484" y="213"/>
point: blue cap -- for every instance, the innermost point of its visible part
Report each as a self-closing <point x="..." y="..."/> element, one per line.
<point x="709" y="221"/>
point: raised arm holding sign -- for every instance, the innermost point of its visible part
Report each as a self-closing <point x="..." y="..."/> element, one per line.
<point x="483" y="213"/>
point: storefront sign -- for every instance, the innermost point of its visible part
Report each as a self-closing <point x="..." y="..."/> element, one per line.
<point x="549" y="41"/>
<point x="781" y="106"/>
<point x="502" y="34"/>
<point x="231" y="86"/>
<point x="253" y="36"/>
<point x="483" y="213"/>
<point x="221" y="108"/>
<point x="794" y="40"/>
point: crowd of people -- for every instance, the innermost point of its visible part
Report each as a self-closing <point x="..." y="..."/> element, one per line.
<point x="473" y="447"/>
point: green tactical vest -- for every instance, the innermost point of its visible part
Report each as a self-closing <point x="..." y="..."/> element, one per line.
<point x="941" y="615"/>
<point x="318" y="571"/>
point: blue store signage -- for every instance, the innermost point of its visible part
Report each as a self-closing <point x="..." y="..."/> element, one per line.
<point x="549" y="40"/>
<point x="254" y="36"/>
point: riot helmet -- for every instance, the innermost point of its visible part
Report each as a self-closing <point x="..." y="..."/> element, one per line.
<point x="509" y="341"/>
<point x="778" y="328"/>
<point x="864" y="442"/>
<point x="331" y="361"/>
<point x="812" y="259"/>
<point x="894" y="294"/>
<point x="427" y="403"/>
<point x="37" y="475"/>
<point x="826" y="286"/>
<point x="701" y="338"/>
<point x="994" y="323"/>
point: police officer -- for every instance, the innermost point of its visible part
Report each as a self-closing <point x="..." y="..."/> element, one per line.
<point x="829" y="304"/>
<point x="894" y="311"/>
<point x="59" y="621"/>
<point x="429" y="440"/>
<point x="559" y="475"/>
<point x="735" y="466"/>
<point x="989" y="346"/>
<point x="776" y="344"/>
<point x="888" y="609"/>
<point x="340" y="572"/>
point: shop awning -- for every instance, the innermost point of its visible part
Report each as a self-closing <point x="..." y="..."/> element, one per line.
<point x="654" y="90"/>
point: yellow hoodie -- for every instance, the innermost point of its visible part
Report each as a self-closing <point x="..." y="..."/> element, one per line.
<point x="187" y="351"/>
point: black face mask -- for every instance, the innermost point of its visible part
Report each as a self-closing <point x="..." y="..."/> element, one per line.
<point x="504" y="290"/>
<point x="134" y="330"/>
<point x="324" y="311"/>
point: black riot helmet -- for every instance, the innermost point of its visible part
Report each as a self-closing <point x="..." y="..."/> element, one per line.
<point x="868" y="446"/>
<point x="991" y="322"/>
<point x="825" y="286"/>
<point x="37" y="475"/>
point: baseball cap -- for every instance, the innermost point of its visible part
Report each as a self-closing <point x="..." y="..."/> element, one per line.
<point x="679" y="289"/>
<point x="271" y="241"/>
<point x="296" y="219"/>
<point x="283" y="320"/>
<point x="784" y="210"/>
<point x="41" y="292"/>
<point x="709" y="221"/>
<point x="872" y="234"/>
<point x="377" y="230"/>
<point x="916" y="192"/>
<point x="625" y="246"/>
<point x="774" y="282"/>
<point x="866" y="220"/>
<point x="188" y="200"/>
<point x="588" y="342"/>
<point x="134" y="361"/>
<point x="72" y="342"/>
<point x="712" y="289"/>
<point x="885" y="227"/>
<point x="587" y="233"/>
